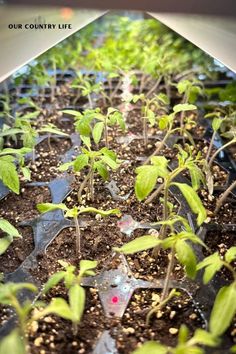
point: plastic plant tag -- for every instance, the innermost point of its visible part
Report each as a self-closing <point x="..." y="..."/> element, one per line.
<point x="105" y="345"/>
<point x="116" y="287"/>
<point x="115" y="190"/>
<point x="127" y="225"/>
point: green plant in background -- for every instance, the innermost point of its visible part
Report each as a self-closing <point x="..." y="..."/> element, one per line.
<point x="147" y="176"/>
<point x="97" y="162"/>
<point x="225" y="305"/>
<point x="17" y="339"/>
<point x="190" y="91"/>
<point x="224" y="196"/>
<point x="8" y="168"/>
<point x="177" y="243"/>
<point x="5" y="112"/>
<point x="185" y="345"/>
<point x="148" y="110"/>
<point x="231" y="135"/>
<point x="9" y="233"/>
<point x="74" y="309"/>
<point x="28" y="133"/>
<point x="27" y="312"/>
<point x="166" y="124"/>
<point x="74" y="213"/>
<point x="86" y="86"/>
<point x="29" y="102"/>
<point x="84" y="126"/>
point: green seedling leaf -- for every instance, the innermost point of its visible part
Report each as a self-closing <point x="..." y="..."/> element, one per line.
<point x="9" y="176"/>
<point x="183" y="334"/>
<point x="139" y="244"/>
<point x="59" y="307"/>
<point x="45" y="207"/>
<point x="230" y="255"/>
<point x="77" y="301"/>
<point x="196" y="175"/>
<point x="163" y="122"/>
<point x="12" y="343"/>
<point x="160" y="162"/>
<point x="65" y="166"/>
<point x="145" y="181"/>
<point x="8" y="228"/>
<point x="223" y="310"/>
<point x="26" y="173"/>
<point x="101" y="169"/>
<point x="182" y="107"/>
<point x="72" y="112"/>
<point x="53" y="281"/>
<point x="233" y="349"/>
<point x="186" y="257"/>
<point x="86" y="265"/>
<point x="100" y="212"/>
<point x="193" y="201"/>
<point x="212" y="264"/>
<point x="97" y="132"/>
<point x="109" y="161"/>
<point x="216" y="123"/>
<point x="151" y="347"/>
<point x="80" y="162"/>
<point x="5" y="243"/>
<point x="204" y="338"/>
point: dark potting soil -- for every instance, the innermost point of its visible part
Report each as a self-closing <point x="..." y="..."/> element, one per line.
<point x="54" y="335"/>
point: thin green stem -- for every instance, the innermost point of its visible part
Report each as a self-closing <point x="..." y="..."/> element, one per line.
<point x="230" y="268"/>
<point x="168" y="275"/>
<point x="222" y="199"/>
<point x="162" y="143"/>
<point x="91" y="180"/>
<point x="210" y="146"/>
<point x="78" y="237"/>
<point x="106" y="132"/>
<point x="233" y="141"/>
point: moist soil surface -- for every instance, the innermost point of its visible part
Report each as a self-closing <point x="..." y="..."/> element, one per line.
<point x="54" y="335"/>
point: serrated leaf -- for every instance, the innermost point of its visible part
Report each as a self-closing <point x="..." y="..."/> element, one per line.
<point x="80" y="162"/>
<point x="196" y="176"/>
<point x="186" y="257"/>
<point x="224" y="310"/>
<point x="193" y="201"/>
<point x="110" y="162"/>
<point x="139" y="244"/>
<point x="102" y="170"/>
<point x="161" y="164"/>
